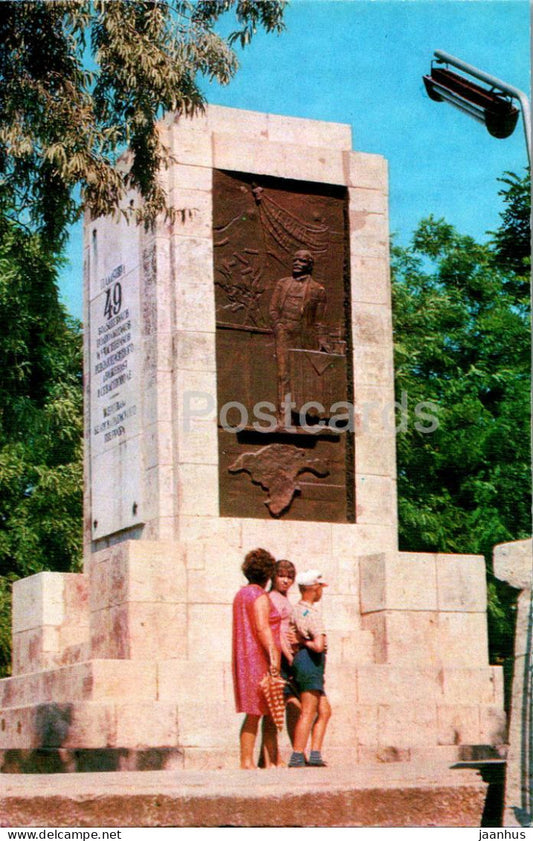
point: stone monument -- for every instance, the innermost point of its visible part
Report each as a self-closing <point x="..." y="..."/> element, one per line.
<point x="239" y="393"/>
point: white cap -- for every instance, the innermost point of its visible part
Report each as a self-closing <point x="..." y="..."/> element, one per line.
<point x="309" y="578"/>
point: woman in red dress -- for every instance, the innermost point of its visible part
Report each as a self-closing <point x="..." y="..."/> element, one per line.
<point x="256" y="650"/>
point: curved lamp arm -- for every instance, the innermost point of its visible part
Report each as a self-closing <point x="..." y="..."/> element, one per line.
<point x="497" y="83"/>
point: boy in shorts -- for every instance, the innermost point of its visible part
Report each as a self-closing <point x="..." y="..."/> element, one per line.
<point x="308" y="671"/>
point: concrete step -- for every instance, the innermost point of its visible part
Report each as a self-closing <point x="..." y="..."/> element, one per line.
<point x="92" y="680"/>
<point x="63" y="760"/>
<point x="380" y="795"/>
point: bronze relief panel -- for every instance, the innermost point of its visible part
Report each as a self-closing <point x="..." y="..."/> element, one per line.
<point x="283" y="337"/>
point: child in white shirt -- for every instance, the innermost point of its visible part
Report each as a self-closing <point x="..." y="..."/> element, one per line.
<point x="308" y="669"/>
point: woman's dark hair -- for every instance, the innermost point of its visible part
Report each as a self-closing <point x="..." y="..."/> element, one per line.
<point x="259" y="566"/>
<point x="287" y="567"/>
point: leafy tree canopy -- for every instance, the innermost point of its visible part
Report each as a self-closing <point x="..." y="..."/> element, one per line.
<point x="462" y="341"/>
<point x="41" y="421"/>
<point x="40" y="412"/>
<point x="63" y="125"/>
<point x="512" y="241"/>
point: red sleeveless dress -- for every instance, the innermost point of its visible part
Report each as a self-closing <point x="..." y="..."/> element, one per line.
<point x="250" y="660"/>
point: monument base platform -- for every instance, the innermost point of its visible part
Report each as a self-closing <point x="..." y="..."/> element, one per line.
<point x="380" y="794"/>
<point x="57" y="760"/>
<point x="152" y="681"/>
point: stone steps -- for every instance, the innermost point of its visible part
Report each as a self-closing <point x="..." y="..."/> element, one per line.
<point x="380" y="795"/>
<point x="98" y="705"/>
<point x="62" y="760"/>
<point x="366" y="732"/>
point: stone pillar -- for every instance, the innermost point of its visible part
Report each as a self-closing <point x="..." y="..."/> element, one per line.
<point x="513" y="563"/>
<point x="50" y="621"/>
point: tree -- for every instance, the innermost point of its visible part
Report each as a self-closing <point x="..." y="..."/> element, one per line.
<point x="80" y="82"/>
<point x="62" y="125"/>
<point x="512" y="241"/>
<point x="41" y="421"/>
<point x="462" y="341"/>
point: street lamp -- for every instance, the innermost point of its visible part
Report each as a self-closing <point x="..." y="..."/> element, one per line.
<point x="493" y="106"/>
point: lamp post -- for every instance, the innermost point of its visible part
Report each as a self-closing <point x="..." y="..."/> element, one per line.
<point x="493" y="107"/>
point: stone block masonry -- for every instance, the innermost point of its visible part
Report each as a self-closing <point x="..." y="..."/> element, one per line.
<point x="128" y="664"/>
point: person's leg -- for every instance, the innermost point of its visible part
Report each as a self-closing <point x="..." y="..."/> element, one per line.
<point x="303" y="726"/>
<point x="247" y="740"/>
<point x="319" y="729"/>
<point x="293" y="710"/>
<point x="269" y="744"/>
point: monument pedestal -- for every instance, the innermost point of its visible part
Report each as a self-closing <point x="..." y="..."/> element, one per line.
<point x="153" y="682"/>
<point x="128" y="665"/>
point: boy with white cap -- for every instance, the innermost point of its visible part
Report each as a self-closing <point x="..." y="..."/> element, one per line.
<point x="308" y="669"/>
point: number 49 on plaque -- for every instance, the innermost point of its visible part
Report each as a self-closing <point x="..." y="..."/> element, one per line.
<point x="113" y="301"/>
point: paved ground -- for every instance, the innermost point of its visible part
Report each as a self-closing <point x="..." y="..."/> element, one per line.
<point x="385" y="794"/>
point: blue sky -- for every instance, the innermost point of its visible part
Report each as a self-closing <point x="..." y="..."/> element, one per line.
<point x="361" y="62"/>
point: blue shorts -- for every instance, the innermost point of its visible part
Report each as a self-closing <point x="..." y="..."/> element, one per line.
<point x="308" y="670"/>
<point x="287" y="674"/>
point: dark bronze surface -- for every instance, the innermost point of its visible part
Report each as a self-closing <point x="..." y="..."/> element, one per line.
<point x="318" y="377"/>
<point x="282" y="299"/>
<point x="276" y="468"/>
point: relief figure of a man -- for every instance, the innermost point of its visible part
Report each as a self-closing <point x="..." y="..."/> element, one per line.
<point x="297" y="311"/>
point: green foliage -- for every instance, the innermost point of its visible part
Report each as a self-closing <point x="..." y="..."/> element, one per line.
<point x="462" y="342"/>
<point x="40" y="419"/>
<point x="512" y="241"/>
<point x="6" y="583"/>
<point x="62" y="125"/>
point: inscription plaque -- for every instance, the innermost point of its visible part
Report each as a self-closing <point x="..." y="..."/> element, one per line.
<point x="115" y="400"/>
